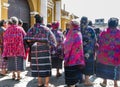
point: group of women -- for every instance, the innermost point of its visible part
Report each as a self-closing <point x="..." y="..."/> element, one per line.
<point x="79" y="47"/>
<point x="87" y="54"/>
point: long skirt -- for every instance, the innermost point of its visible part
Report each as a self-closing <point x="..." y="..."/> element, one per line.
<point x="15" y="64"/>
<point x="108" y="71"/>
<point x="72" y="74"/>
<point x="3" y="63"/>
<point x="40" y="61"/>
<point x="89" y="66"/>
<point x="56" y="62"/>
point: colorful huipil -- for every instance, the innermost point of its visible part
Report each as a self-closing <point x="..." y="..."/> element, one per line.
<point x="57" y="52"/>
<point x="73" y="49"/>
<point x="108" y="55"/>
<point x="41" y="38"/>
<point x="89" y="41"/>
<point x="3" y="63"/>
<point x="14" y="48"/>
<point x="74" y="56"/>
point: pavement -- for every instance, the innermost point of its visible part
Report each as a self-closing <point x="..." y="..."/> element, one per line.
<point x="28" y="81"/>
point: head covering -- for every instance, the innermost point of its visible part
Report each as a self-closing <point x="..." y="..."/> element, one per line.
<point x="84" y="20"/>
<point x="38" y="18"/>
<point x="75" y="24"/>
<point x="14" y="20"/>
<point x="113" y="22"/>
<point x="55" y="25"/>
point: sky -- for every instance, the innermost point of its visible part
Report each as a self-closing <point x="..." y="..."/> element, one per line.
<point x="93" y="9"/>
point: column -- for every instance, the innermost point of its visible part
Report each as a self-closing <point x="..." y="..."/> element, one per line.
<point x="0" y="9"/>
<point x="58" y="11"/>
<point x="44" y="10"/>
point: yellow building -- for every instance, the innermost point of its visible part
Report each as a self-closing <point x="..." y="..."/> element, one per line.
<point x="65" y="18"/>
<point x="26" y="9"/>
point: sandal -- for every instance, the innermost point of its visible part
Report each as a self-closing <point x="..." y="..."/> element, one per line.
<point x="58" y="75"/>
<point x="88" y="84"/>
<point x="1" y="74"/>
<point x="40" y="85"/>
<point x="103" y="85"/>
<point x="18" y="78"/>
<point x="115" y="85"/>
<point x="13" y="77"/>
<point x="49" y="85"/>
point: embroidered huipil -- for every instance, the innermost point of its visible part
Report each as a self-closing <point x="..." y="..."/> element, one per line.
<point x="89" y="41"/>
<point x="59" y="38"/>
<point x="42" y="40"/>
<point x="109" y="47"/>
<point x="13" y="42"/>
<point x="41" y="34"/>
<point x="73" y="48"/>
<point x="2" y="30"/>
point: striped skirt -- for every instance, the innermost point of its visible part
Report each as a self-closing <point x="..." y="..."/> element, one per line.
<point x="108" y="71"/>
<point x="15" y="64"/>
<point x="40" y="61"/>
<point x="72" y="74"/>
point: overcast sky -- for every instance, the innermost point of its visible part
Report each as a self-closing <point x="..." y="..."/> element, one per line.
<point x="93" y="9"/>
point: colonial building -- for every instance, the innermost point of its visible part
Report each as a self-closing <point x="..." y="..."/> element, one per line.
<point x="26" y="9"/>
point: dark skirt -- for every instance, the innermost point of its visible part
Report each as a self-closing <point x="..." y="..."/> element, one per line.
<point x="89" y="67"/>
<point x="72" y="74"/>
<point x="40" y="61"/>
<point x="108" y="71"/>
<point x="56" y="62"/>
<point x="3" y="63"/>
<point x="15" y="64"/>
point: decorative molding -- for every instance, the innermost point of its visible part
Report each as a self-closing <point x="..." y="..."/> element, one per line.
<point x="6" y="4"/>
<point x="50" y="4"/>
<point x="34" y="13"/>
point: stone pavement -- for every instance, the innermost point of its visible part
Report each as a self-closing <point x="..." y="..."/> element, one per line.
<point x="28" y="81"/>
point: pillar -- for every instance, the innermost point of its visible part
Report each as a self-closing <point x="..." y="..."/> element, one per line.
<point x="0" y="9"/>
<point x="44" y="10"/>
<point x="58" y="11"/>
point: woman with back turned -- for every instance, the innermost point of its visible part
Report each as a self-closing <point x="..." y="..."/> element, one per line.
<point x="108" y="55"/>
<point x="40" y="39"/>
<point x="14" y="49"/>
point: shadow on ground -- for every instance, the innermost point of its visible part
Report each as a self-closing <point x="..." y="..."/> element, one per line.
<point x="8" y="83"/>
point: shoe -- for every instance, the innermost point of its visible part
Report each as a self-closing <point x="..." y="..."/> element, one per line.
<point x="103" y="85"/>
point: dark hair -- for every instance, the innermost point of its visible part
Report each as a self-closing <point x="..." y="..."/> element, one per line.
<point x="49" y="25"/>
<point x="2" y="22"/>
<point x="20" y="22"/>
<point x="90" y="23"/>
<point x="38" y="19"/>
<point x="113" y="22"/>
<point x="10" y="22"/>
<point x="84" y="20"/>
